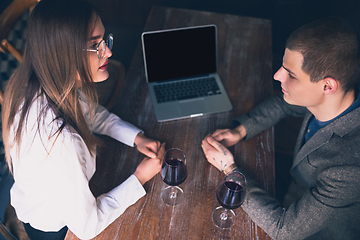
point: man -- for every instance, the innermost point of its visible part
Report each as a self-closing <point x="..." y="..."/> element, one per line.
<point x="319" y="79"/>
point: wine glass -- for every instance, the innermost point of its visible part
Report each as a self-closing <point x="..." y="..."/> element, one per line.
<point x="230" y="195"/>
<point x="173" y="173"/>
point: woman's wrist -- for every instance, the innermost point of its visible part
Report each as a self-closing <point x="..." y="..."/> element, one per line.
<point x="138" y="138"/>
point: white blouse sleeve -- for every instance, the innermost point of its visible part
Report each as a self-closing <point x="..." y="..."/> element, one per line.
<point x="106" y="123"/>
<point x="85" y="215"/>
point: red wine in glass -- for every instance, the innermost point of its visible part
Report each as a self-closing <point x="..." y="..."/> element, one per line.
<point x="173" y="173"/>
<point x="230" y="195"/>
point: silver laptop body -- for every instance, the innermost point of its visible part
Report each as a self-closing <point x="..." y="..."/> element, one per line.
<point x="182" y="57"/>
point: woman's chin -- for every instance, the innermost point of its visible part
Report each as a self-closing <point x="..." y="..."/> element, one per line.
<point x="102" y="77"/>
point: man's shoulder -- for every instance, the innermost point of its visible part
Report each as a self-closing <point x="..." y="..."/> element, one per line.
<point x="348" y="123"/>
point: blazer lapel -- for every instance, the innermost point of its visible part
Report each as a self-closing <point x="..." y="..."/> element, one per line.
<point x="319" y="139"/>
<point x="340" y="127"/>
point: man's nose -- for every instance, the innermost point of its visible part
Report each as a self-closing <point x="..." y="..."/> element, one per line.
<point x="280" y="75"/>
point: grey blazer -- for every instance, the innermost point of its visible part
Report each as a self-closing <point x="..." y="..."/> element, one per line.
<point x="327" y="167"/>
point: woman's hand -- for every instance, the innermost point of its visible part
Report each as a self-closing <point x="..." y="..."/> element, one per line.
<point x="149" y="167"/>
<point x="216" y="153"/>
<point x="147" y="146"/>
<point x="229" y="137"/>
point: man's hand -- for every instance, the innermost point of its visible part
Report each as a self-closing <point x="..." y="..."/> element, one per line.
<point x="216" y="153"/>
<point x="229" y="137"/>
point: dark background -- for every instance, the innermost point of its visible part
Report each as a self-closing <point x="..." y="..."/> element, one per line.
<point x="126" y="18"/>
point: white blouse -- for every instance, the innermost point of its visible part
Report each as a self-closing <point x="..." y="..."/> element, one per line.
<point x="51" y="188"/>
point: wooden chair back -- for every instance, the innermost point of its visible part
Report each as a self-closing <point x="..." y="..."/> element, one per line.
<point x="7" y="20"/>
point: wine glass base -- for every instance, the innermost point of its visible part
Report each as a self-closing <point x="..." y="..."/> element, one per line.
<point x="223" y="218"/>
<point x="172" y="195"/>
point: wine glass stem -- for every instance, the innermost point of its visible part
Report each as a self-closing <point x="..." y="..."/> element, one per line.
<point x="172" y="193"/>
<point x="224" y="215"/>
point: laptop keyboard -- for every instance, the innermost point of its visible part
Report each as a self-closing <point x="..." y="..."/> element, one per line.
<point x="188" y="89"/>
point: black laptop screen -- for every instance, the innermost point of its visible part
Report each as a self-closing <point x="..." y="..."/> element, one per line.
<point x="180" y="53"/>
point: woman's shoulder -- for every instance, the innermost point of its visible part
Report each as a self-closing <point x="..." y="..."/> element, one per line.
<point x="42" y="120"/>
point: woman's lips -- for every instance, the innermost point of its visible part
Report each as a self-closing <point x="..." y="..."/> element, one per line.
<point x="283" y="90"/>
<point x="104" y="66"/>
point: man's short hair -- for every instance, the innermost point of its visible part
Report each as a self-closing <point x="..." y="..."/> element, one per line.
<point x="330" y="47"/>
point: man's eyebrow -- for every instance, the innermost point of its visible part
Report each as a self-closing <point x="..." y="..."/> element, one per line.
<point x="289" y="70"/>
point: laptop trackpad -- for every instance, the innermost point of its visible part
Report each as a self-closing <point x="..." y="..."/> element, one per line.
<point x="192" y="107"/>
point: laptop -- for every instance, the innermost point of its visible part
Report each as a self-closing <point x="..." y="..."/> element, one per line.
<point x="181" y="72"/>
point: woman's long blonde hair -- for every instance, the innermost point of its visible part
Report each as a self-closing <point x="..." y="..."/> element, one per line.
<point x="53" y="61"/>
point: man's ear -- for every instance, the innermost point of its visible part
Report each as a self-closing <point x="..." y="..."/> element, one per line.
<point x="330" y="85"/>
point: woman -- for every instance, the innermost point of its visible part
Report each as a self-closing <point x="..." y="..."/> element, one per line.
<point x="49" y="115"/>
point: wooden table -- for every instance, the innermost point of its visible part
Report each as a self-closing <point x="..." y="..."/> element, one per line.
<point x="245" y="67"/>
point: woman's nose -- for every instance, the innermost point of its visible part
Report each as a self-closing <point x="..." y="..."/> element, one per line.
<point x="108" y="52"/>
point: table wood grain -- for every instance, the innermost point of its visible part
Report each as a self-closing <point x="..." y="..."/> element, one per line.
<point x="245" y="67"/>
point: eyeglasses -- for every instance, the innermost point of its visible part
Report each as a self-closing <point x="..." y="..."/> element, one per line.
<point x="101" y="47"/>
